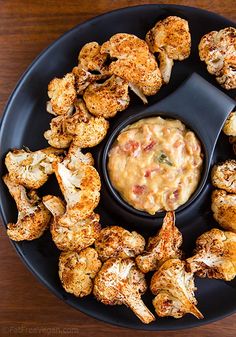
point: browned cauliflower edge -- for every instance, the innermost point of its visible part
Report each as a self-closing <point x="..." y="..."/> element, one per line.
<point x="81" y="189"/>
<point x="31" y="169"/>
<point x="33" y="217"/>
<point x="62" y="94"/>
<point x="223" y="206"/>
<point x="218" y="50"/>
<point x="134" y="63"/>
<point x="115" y="241"/>
<point x="107" y="98"/>
<point x="80" y="127"/>
<point x="230" y="125"/>
<point x="77" y="271"/>
<point x="119" y="281"/>
<point x="161" y="247"/>
<point x="223" y="176"/>
<point x="174" y="290"/>
<point x="215" y="255"/>
<point x="171" y="39"/>
<point x="91" y="67"/>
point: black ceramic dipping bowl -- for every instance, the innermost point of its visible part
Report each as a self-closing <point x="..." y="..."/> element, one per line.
<point x="203" y="109"/>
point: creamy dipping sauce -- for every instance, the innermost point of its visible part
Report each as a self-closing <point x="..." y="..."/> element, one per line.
<point x="155" y="164"/>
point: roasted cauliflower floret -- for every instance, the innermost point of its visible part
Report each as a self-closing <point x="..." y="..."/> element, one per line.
<point x="62" y="94"/>
<point x="75" y="157"/>
<point x="223" y="176"/>
<point x="107" y="98"/>
<point x="230" y="125"/>
<point x="120" y="282"/>
<point x="77" y="271"/>
<point x="91" y="133"/>
<point x="91" y="58"/>
<point x="75" y="235"/>
<point x="115" y="241"/>
<point x="71" y="234"/>
<point x="85" y="130"/>
<point x="174" y="290"/>
<point x="171" y="36"/>
<point x="57" y="136"/>
<point x="90" y="61"/>
<point x="172" y="40"/>
<point x="134" y="63"/>
<point x="161" y="247"/>
<point x="33" y="216"/>
<point x="80" y="188"/>
<point x="223" y="206"/>
<point x="31" y="169"/>
<point x="218" y="50"/>
<point x="215" y="255"/>
<point x="215" y="46"/>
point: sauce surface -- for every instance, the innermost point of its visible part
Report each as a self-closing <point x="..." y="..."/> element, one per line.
<point x="155" y="164"/>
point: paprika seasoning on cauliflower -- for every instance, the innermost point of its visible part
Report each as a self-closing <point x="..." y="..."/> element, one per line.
<point x="171" y="39"/>
<point x="218" y="50"/>
<point x="215" y="255"/>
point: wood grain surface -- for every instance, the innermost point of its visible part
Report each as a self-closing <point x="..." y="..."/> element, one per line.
<point x="26" y="307"/>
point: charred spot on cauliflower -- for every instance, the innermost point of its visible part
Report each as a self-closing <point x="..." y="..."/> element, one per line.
<point x="87" y="130"/>
<point x="57" y="136"/>
<point x="90" y="57"/>
<point x="90" y="67"/>
<point x="91" y="133"/>
<point x="171" y="36"/>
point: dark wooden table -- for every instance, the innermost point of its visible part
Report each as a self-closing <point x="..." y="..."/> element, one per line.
<point x="26" y="307"/>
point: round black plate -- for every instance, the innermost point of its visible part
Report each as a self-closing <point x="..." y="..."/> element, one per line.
<point x="26" y="119"/>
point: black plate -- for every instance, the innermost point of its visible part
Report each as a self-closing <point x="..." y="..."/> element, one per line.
<point x="25" y="119"/>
